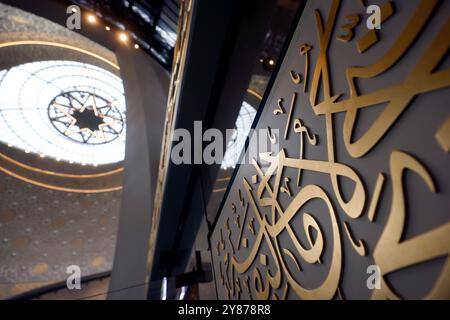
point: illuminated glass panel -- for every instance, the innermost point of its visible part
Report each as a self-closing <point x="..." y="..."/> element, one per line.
<point x="243" y="125"/>
<point x="28" y="93"/>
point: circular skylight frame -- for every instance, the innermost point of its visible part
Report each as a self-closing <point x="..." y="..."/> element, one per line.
<point x="62" y="109"/>
<point x="27" y="90"/>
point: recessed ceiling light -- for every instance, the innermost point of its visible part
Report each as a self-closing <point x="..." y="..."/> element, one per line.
<point x="123" y="37"/>
<point x="91" y="18"/>
<point x="107" y="28"/>
<point x="136" y="46"/>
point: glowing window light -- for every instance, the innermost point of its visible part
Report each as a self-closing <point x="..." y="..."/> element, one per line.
<point x="243" y="125"/>
<point x="25" y="93"/>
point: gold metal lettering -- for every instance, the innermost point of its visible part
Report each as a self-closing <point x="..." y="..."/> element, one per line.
<point x="443" y="136"/>
<point x="354" y="21"/>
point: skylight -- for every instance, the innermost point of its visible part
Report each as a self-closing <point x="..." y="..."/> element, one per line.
<point x="65" y="110"/>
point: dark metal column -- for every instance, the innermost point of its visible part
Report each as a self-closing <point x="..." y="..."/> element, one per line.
<point x="226" y="38"/>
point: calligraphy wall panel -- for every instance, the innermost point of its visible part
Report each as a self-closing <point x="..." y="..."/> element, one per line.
<point x="356" y="181"/>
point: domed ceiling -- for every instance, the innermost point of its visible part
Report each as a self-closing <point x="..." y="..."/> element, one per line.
<point x="62" y="139"/>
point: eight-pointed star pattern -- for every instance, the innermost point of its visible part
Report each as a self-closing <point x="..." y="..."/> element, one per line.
<point x="88" y="121"/>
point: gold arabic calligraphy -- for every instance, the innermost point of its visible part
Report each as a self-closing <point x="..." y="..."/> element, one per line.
<point x="265" y="222"/>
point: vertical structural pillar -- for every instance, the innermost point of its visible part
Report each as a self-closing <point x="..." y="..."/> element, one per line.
<point x="225" y="40"/>
<point x="146" y="88"/>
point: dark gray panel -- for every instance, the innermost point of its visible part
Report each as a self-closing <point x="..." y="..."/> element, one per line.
<point x="415" y="261"/>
